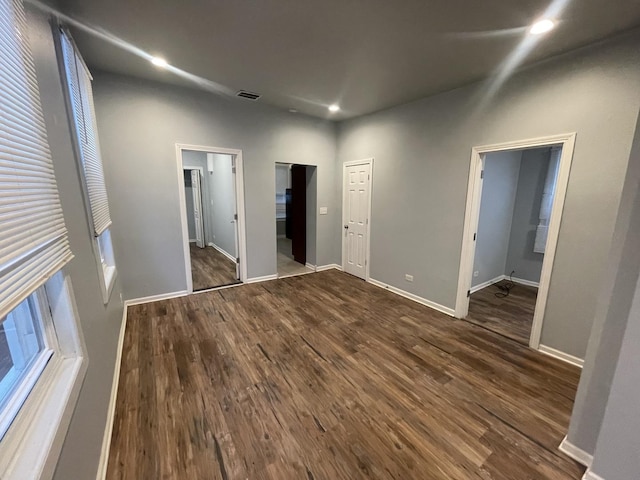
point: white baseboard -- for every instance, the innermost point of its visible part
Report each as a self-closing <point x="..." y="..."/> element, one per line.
<point x="266" y="278"/>
<point x="155" y="298"/>
<point x="522" y="281"/>
<point x="415" y="298"/>
<point x="312" y="267"/>
<point x="106" y="439"/>
<point x="579" y="455"/>
<point x="488" y="283"/>
<point x="589" y="475"/>
<point x="499" y="278"/>
<point x="565" y="357"/>
<point x="225" y="253"/>
<point x="322" y="268"/>
<point x="192" y="240"/>
<point x="294" y="274"/>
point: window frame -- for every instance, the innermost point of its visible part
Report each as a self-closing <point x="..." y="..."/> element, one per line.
<point x="44" y="321"/>
<point x="107" y="270"/>
<point x="31" y="446"/>
<point x="105" y="262"/>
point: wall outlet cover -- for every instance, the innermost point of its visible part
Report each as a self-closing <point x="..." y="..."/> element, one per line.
<point x="408" y="278"/>
<point x="323" y="210"/>
<point x="476" y="273"/>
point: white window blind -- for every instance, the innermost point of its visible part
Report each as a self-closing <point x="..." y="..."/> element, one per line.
<point x="33" y="237"/>
<point x="79" y="83"/>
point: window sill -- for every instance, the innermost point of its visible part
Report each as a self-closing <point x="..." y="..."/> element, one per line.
<point x="31" y="446"/>
<point x="109" y="281"/>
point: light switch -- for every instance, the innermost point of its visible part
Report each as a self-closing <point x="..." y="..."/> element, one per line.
<point x="323" y="210"/>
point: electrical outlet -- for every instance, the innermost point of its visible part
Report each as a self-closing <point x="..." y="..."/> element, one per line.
<point x="408" y="278"/>
<point x="476" y="273"/>
<point x="323" y="210"/>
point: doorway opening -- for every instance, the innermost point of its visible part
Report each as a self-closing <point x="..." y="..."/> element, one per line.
<point x="514" y="208"/>
<point x="296" y="198"/>
<point x="212" y="211"/>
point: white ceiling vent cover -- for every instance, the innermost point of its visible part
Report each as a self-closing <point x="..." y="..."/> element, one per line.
<point x="248" y="95"/>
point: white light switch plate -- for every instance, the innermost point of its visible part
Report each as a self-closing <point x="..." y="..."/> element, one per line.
<point x="323" y="210"/>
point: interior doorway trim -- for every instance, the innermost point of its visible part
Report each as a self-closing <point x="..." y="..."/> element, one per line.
<point x="366" y="161"/>
<point x="242" y="233"/>
<point x="472" y="214"/>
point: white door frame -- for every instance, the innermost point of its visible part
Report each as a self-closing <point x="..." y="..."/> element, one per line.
<point x="472" y="214"/>
<point x="366" y="161"/>
<point x="241" y="230"/>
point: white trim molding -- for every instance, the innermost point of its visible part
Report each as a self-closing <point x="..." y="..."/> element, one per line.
<point x="240" y="208"/>
<point x="579" y="455"/>
<point x="289" y="275"/>
<point x="522" y="281"/>
<point x="565" y="357"/>
<point x="589" y="475"/>
<point x="223" y="252"/>
<point x="488" y="283"/>
<point x="111" y="412"/>
<point x="265" y="278"/>
<point x="331" y="266"/>
<point x="415" y="298"/>
<point x="499" y="278"/>
<point x="155" y="298"/>
<point x="312" y="267"/>
<point x="472" y="214"/>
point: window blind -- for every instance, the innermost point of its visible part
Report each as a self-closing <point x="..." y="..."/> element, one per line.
<point x="83" y="112"/>
<point x="33" y="237"/>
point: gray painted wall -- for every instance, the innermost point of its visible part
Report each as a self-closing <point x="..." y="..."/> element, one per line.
<point x="223" y="203"/>
<point x="188" y="193"/>
<point x="616" y="454"/>
<point x="422" y="152"/>
<point x="612" y="313"/>
<point x="499" y="188"/>
<point x="139" y="124"/>
<point x="526" y="213"/>
<point x="100" y="323"/>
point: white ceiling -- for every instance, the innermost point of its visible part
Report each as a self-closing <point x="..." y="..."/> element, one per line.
<point x="365" y="55"/>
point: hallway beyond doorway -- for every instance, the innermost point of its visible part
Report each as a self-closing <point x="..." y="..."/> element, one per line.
<point x="286" y="264"/>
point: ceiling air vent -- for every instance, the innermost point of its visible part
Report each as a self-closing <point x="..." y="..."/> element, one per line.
<point x="248" y="95"/>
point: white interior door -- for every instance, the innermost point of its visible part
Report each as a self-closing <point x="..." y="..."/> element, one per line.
<point x="197" y="207"/>
<point x="357" y="188"/>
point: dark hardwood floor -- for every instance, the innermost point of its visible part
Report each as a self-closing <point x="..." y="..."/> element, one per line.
<point x="210" y="268"/>
<point x="324" y="376"/>
<point x="510" y="316"/>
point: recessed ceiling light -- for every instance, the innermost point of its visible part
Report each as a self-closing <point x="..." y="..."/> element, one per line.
<point x="542" y="26"/>
<point x="334" y="108"/>
<point x="159" y="62"/>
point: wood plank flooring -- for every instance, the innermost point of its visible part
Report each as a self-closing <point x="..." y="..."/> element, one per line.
<point x="510" y="316"/>
<point x="324" y="376"/>
<point x="210" y="268"/>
